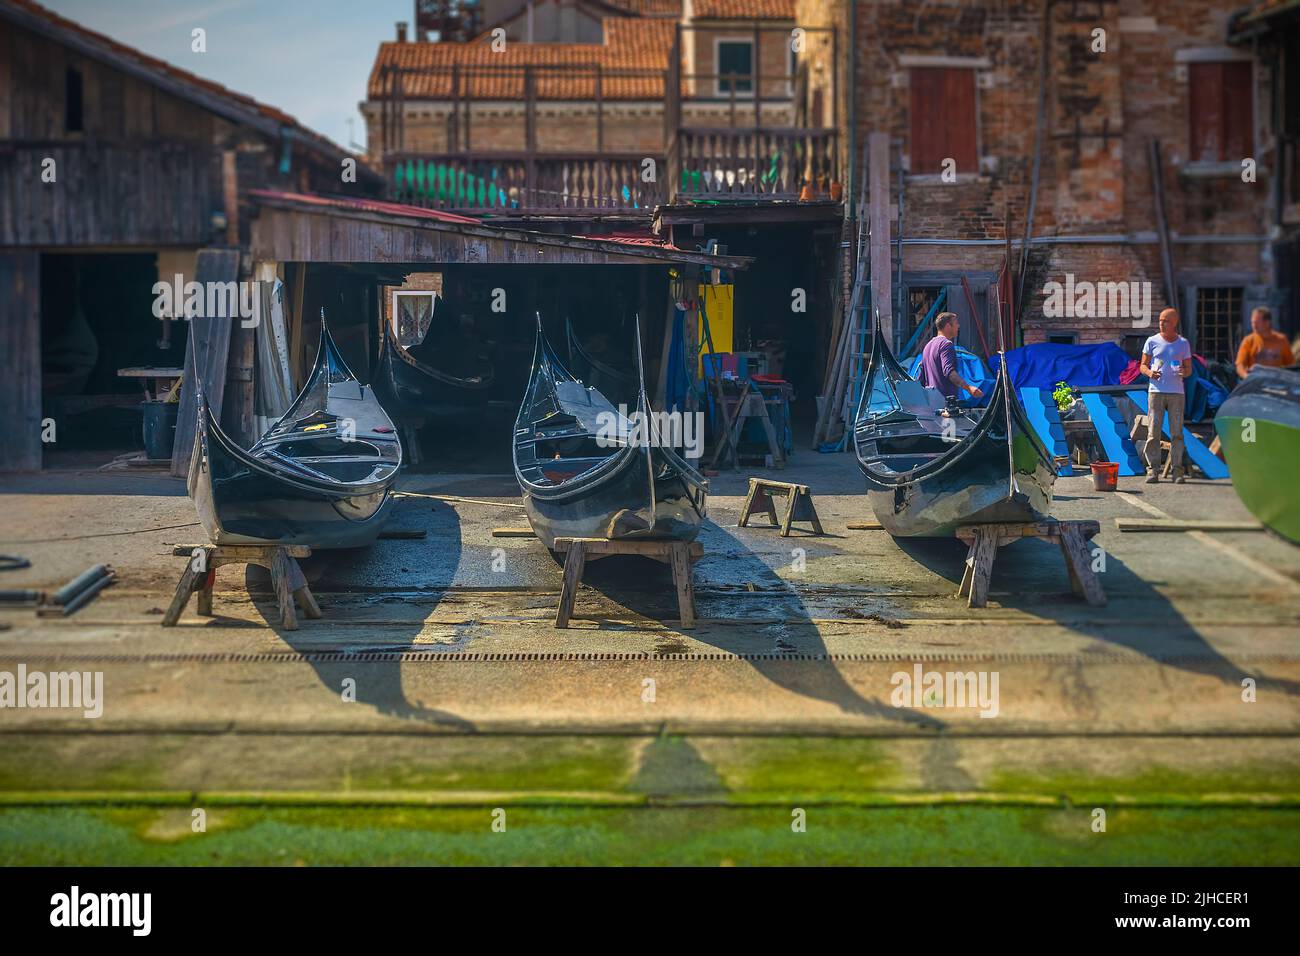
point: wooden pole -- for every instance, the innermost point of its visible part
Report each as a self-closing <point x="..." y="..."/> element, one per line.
<point x="1162" y="223"/>
<point x="878" y="211"/>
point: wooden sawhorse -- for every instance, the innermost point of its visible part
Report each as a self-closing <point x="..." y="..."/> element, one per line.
<point x="799" y="504"/>
<point x="679" y="555"/>
<point x="286" y="576"/>
<point x="1071" y="536"/>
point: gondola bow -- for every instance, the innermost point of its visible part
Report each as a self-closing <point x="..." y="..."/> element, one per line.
<point x="587" y="470"/>
<point x="321" y="476"/>
<point x="929" y="470"/>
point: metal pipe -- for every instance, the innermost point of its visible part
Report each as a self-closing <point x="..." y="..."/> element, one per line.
<point x="80" y="583"/>
<point x="22" y="596"/>
<point x="1103" y="240"/>
<point x="81" y="600"/>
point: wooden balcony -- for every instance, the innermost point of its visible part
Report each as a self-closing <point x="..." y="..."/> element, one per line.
<point x="505" y="182"/>
<point x="763" y="163"/>
<point x="489" y="138"/>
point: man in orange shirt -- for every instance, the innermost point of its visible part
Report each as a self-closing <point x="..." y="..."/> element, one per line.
<point x="1263" y="346"/>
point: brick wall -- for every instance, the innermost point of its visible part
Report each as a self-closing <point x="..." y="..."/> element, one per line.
<point x="1103" y="109"/>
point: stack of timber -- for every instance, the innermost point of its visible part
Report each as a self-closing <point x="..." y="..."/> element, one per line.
<point x="872" y="274"/>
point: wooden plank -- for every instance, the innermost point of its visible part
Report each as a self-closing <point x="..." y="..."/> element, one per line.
<point x="20" y="361"/>
<point x="212" y="346"/>
<point x="983" y="550"/>
<point x="865" y="526"/>
<point x="280" y="577"/>
<point x="246" y="553"/>
<point x="1077" y="558"/>
<point x="643" y="547"/>
<point x="680" y="561"/>
<point x="878" y="210"/>
<point x="573" y="566"/>
<point x="513" y="533"/>
<point x="1178" y="524"/>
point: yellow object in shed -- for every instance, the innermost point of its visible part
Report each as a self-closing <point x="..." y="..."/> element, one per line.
<point x="315" y="428"/>
<point x="719" y="302"/>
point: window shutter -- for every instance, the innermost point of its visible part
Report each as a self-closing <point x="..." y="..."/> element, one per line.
<point x="927" y="121"/>
<point x="943" y="119"/>
<point x="959" y="99"/>
<point x="1205" y="103"/>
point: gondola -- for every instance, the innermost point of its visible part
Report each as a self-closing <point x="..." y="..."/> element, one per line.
<point x="321" y="476"/>
<point x="611" y="382"/>
<point x="930" y="469"/>
<point x="413" y="388"/>
<point x="580" y="479"/>
<point x="1259" y="430"/>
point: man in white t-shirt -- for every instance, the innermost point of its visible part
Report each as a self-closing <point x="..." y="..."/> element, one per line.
<point x="1166" y="361"/>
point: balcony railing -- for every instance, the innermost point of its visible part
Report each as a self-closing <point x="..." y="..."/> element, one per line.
<point x="494" y="139"/>
<point x="506" y="182"/>
<point x="769" y="163"/>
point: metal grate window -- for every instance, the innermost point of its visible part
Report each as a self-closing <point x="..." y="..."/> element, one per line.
<point x="1218" y="322"/>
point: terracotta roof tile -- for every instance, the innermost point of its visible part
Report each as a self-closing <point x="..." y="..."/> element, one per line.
<point x="648" y="8"/>
<point x="632" y="60"/>
<point x="744" y="9"/>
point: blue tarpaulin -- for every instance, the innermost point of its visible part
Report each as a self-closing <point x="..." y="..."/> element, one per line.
<point x="1083" y="366"/>
<point x="1042" y="366"/>
<point x="970" y="367"/>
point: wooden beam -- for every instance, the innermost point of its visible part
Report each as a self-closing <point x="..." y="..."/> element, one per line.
<point x="878" y="213"/>
<point x="285" y="233"/>
<point x="20" y="361"/>
<point x="230" y="195"/>
<point x="1177" y="524"/>
<point x="211" y="345"/>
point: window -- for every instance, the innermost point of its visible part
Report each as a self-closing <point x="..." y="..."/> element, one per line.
<point x="1221" y="107"/>
<point x="943" y="119"/>
<point x="735" y="66"/>
<point x="1063" y="338"/>
<point x="1218" y="322"/>
<point x="412" y="316"/>
<point x="73" y="120"/>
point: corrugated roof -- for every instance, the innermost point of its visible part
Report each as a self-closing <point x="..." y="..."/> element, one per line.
<point x="369" y="205"/>
<point x="639" y="47"/>
<point x="33" y="16"/>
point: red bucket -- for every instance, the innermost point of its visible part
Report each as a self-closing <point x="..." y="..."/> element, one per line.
<point x="1105" y="475"/>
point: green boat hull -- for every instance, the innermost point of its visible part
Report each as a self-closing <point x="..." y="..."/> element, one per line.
<point x="1259" y="430"/>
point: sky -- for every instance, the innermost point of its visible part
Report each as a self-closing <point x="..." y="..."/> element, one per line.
<point x="310" y="58"/>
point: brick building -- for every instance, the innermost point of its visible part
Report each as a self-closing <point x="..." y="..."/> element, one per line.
<point x="956" y="84"/>
<point x="568" y="104"/>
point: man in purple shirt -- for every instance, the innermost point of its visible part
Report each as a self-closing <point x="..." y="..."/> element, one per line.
<point x="939" y="360"/>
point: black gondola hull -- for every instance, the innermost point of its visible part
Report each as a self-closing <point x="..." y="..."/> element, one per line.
<point x="240" y="502"/>
<point x="321" y="476"/>
<point x="414" y="391"/>
<point x="929" y="472"/>
<point x="976" y="493"/>
<point x="619" y="507"/>
<point x="639" y="490"/>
